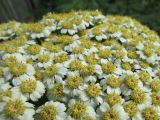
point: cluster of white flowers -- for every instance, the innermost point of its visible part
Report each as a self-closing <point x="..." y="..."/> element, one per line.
<point x="79" y="66"/>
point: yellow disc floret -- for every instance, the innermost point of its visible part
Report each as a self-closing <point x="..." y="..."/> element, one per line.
<point x="155" y="85"/>
<point x="45" y="57"/>
<point x="61" y="58"/>
<point x="104" y="53"/>
<point x="131" y="108"/>
<point x="113" y="99"/>
<point x="48" y="112"/>
<point x="113" y="81"/>
<point x="74" y="81"/>
<point x="149" y="113"/>
<point x="144" y="76"/>
<point x="87" y="70"/>
<point x="138" y="95"/>
<point x="18" y="68"/>
<point x="93" y="90"/>
<point x="14" y="108"/>
<point x="51" y="70"/>
<point x="28" y="86"/>
<point x="78" y="110"/>
<point x="33" y="49"/>
<point x="156" y="98"/>
<point x="131" y="81"/>
<point x="75" y="65"/>
<point x="111" y="114"/>
<point x="108" y="67"/>
<point x="57" y="90"/>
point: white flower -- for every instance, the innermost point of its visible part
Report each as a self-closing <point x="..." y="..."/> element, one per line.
<point x="30" y="88"/>
<point x="80" y="110"/>
<point x="92" y="94"/>
<point x="16" y="108"/>
<point x="117" y="110"/>
<point x="51" y="110"/>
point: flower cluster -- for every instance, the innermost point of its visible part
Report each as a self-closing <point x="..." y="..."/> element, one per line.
<point x="79" y="66"/>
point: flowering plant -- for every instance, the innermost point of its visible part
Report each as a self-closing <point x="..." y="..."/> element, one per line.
<point x="79" y="66"/>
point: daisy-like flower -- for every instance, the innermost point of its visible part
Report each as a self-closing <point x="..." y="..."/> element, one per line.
<point x="44" y="59"/>
<point x="30" y="88"/>
<point x="132" y="110"/>
<point x="80" y="110"/>
<point x="17" y="69"/>
<point x="116" y="112"/>
<point x="91" y="94"/>
<point x="73" y="85"/>
<point x="54" y="72"/>
<point x="56" y="92"/>
<point x="16" y="107"/>
<point x="98" y="33"/>
<point x="111" y="83"/>
<point x="67" y="26"/>
<point x="51" y="111"/>
<point x="150" y="113"/>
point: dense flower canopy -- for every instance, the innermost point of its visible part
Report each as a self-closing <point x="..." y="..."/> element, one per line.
<point x="79" y="66"/>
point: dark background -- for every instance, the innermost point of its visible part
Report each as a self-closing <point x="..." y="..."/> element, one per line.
<point x="146" y="11"/>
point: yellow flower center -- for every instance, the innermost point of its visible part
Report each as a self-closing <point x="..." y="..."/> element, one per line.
<point x="78" y="50"/>
<point x="28" y="86"/>
<point x="45" y="57"/>
<point x="150" y="113"/>
<point x="74" y="81"/>
<point x="155" y="85"/>
<point x="104" y="53"/>
<point x="65" y="39"/>
<point x="138" y="95"/>
<point x="148" y="51"/>
<point x="10" y="60"/>
<point x="113" y="99"/>
<point x="111" y="115"/>
<point x="132" y="54"/>
<point x="87" y="70"/>
<point x="113" y="81"/>
<point x="57" y="90"/>
<point x="93" y="90"/>
<point x="14" y="108"/>
<point x="108" y="67"/>
<point x="144" y="64"/>
<point x="126" y="66"/>
<point x="11" y="49"/>
<point x="38" y="74"/>
<point x="86" y="43"/>
<point x="131" y="81"/>
<point x="67" y="24"/>
<point x="48" y="112"/>
<point x="78" y="110"/>
<point x="51" y="47"/>
<point x="33" y="49"/>
<point x="156" y="98"/>
<point x="51" y="70"/>
<point x="119" y="54"/>
<point x="76" y="65"/>
<point x="144" y="76"/>
<point x="91" y="59"/>
<point x="131" y="108"/>
<point x="18" y="68"/>
<point x="96" y="31"/>
<point x="61" y="58"/>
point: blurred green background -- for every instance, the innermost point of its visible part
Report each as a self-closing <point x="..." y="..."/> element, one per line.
<point x="146" y="11"/>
